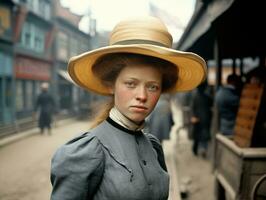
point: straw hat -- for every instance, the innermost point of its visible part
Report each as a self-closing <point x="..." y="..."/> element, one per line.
<point x="147" y="36"/>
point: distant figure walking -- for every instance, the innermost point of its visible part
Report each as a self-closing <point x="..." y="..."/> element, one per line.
<point x="161" y="120"/>
<point x="201" y="115"/>
<point x="227" y="100"/>
<point x="45" y="105"/>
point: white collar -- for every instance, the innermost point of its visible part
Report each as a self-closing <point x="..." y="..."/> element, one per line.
<point x="119" y="118"/>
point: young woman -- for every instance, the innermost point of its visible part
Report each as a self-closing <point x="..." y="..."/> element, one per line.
<point x="115" y="159"/>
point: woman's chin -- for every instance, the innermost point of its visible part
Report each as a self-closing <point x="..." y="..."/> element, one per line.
<point x="137" y="120"/>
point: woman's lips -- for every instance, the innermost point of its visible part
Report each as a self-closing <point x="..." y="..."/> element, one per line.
<point x="139" y="108"/>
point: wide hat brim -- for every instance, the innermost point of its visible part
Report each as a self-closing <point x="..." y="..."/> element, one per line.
<point x="191" y="67"/>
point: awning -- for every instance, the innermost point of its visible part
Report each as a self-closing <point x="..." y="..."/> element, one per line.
<point x="65" y="75"/>
<point x="201" y="21"/>
<point x="223" y="29"/>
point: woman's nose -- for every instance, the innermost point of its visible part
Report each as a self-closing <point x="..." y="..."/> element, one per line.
<point x="141" y="94"/>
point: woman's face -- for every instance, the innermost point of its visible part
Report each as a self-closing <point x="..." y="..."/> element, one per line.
<point x="137" y="90"/>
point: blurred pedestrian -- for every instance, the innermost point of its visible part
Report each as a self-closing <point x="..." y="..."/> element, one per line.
<point x="201" y="115"/>
<point x="115" y="159"/>
<point x="183" y="103"/>
<point x="45" y="107"/>
<point x="161" y="120"/>
<point x="227" y="101"/>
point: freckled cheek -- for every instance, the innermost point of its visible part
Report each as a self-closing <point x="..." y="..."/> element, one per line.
<point x="154" y="99"/>
<point x="124" y="96"/>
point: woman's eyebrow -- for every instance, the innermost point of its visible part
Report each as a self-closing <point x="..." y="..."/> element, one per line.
<point x="138" y="79"/>
<point x="131" y="78"/>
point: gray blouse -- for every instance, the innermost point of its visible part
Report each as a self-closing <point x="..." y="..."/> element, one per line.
<point x="110" y="162"/>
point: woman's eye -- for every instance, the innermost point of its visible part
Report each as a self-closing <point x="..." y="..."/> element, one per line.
<point x="153" y="88"/>
<point x="130" y="84"/>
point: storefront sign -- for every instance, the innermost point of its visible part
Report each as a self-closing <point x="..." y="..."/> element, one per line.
<point x="27" y="68"/>
<point x="5" y="21"/>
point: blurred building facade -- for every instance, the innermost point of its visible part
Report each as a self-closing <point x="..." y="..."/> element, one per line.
<point x="37" y="38"/>
<point x="69" y="41"/>
<point x="32" y="56"/>
<point x="6" y="62"/>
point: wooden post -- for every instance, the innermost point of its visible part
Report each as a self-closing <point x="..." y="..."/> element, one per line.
<point x="215" y="118"/>
<point x="234" y="66"/>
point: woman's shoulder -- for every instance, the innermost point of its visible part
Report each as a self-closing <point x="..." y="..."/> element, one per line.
<point x="85" y="146"/>
<point x="77" y="168"/>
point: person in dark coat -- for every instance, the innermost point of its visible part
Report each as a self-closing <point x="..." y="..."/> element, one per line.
<point x="161" y="120"/>
<point x="201" y="115"/>
<point x="227" y="101"/>
<point x="116" y="159"/>
<point x="45" y="105"/>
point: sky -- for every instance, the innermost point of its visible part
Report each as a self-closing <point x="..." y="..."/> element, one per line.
<point x="175" y="13"/>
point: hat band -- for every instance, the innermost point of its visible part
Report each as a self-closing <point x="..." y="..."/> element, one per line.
<point x="126" y="42"/>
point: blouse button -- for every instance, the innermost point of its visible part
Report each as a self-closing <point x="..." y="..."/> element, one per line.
<point x="144" y="162"/>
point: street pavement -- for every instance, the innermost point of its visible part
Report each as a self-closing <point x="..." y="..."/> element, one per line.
<point x="195" y="178"/>
<point x="25" y="162"/>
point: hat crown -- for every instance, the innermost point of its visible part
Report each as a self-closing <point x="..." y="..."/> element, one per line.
<point x="142" y="30"/>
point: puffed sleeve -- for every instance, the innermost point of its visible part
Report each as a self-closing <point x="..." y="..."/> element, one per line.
<point x="77" y="169"/>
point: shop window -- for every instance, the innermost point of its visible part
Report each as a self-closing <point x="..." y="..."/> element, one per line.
<point x="32" y="37"/>
<point x="26" y="35"/>
<point x="45" y="7"/>
<point x="8" y="93"/>
<point x="38" y="88"/>
<point x="5" y="93"/>
<point x="35" y="91"/>
<point x="39" y="40"/>
<point x="1" y="95"/>
<point x="19" y="96"/>
<point x="40" y="7"/>
<point x="33" y="5"/>
<point x="29" y="95"/>
<point x="1" y="100"/>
